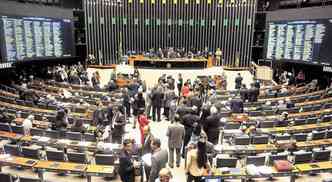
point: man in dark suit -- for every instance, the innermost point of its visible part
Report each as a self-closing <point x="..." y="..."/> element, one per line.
<point x="158" y="160"/>
<point x="175" y="133"/>
<point x="146" y="148"/>
<point x="188" y="121"/>
<point x="211" y="126"/>
<point x="126" y="166"/>
<point x="119" y="123"/>
<point x="238" y="81"/>
<point x="236" y="105"/>
<point x="157" y="99"/>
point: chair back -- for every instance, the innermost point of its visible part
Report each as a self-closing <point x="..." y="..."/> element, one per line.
<point x="55" y="155"/>
<point x="104" y="159"/>
<point x="256" y="160"/>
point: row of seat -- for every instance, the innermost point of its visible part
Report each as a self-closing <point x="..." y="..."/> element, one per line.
<point x="299" y="157"/>
<point x="89" y="137"/>
<point x="58" y="155"/>
<point x="5" y="177"/>
<point x="265" y="139"/>
<point x="274" y="123"/>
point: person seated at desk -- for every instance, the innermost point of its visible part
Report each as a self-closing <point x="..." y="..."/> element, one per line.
<point x="4" y="117"/>
<point x="312" y="86"/>
<point x="61" y="122"/>
<point x="78" y="126"/>
<point x="236" y="105"/>
<point x="283" y="121"/>
<point x="289" y="103"/>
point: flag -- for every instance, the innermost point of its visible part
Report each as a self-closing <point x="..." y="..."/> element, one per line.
<point x="202" y="23"/>
<point x="249" y="21"/>
<point x="124" y="21"/>
<point x="180" y="22"/>
<point x="225" y="22"/>
<point x="191" y="22"/>
<point x="237" y="22"/>
<point x="214" y="23"/>
<point x="169" y="22"/>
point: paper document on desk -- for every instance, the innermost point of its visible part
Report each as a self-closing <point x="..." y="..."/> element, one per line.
<point x="147" y="159"/>
<point x="64" y="141"/>
<point x="44" y="139"/>
<point x="35" y="137"/>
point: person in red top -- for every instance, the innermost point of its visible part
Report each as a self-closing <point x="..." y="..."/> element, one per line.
<point x="185" y="90"/>
<point x="142" y="121"/>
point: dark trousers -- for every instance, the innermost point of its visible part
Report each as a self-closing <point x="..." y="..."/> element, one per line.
<point x="156" y="110"/>
<point x="147" y="170"/>
<point x="186" y="140"/>
<point x="166" y="112"/>
<point x="127" y="106"/>
<point x="194" y="178"/>
<point x="127" y="178"/>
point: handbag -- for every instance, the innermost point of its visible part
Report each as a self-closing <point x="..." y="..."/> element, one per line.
<point x="285" y="144"/>
<point x="282" y="165"/>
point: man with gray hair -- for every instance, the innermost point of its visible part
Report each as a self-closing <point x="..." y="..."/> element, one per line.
<point x="211" y="125"/>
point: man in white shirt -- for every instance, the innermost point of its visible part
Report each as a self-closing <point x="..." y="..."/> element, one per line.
<point x="27" y="124"/>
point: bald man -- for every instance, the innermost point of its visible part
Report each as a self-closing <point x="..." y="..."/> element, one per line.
<point x="146" y="146"/>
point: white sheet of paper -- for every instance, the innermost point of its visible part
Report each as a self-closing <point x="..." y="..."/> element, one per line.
<point x="147" y="159"/>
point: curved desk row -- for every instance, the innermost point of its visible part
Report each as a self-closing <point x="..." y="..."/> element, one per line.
<point x="298" y="169"/>
<point x="261" y="148"/>
<point x="41" y="165"/>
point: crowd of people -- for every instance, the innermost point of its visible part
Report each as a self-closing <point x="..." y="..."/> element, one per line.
<point x="191" y="108"/>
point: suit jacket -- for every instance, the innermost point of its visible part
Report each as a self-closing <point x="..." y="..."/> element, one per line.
<point x="158" y="161"/>
<point x="236" y="105"/>
<point x="126" y="167"/>
<point x="146" y="147"/>
<point x="175" y="133"/>
<point x="157" y="98"/>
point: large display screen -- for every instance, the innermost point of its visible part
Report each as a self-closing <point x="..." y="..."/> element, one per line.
<point x="300" y="40"/>
<point x="33" y="38"/>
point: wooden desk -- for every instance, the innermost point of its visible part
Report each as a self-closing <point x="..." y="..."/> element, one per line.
<point x="10" y="135"/>
<point x="137" y="59"/>
<point x="314" y="167"/>
<point x="61" y="166"/>
<point x="52" y="166"/>
<point x="38" y="110"/>
<point x="99" y="170"/>
<point x="7" y="160"/>
<point x="260" y="148"/>
<point x="297" y="129"/>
